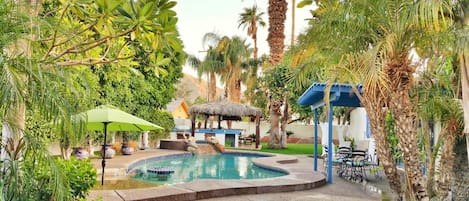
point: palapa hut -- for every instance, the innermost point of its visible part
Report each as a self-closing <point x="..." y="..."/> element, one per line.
<point x="226" y="110"/>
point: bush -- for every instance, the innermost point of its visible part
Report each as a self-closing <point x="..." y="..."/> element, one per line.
<point x="77" y="177"/>
<point x="80" y="175"/>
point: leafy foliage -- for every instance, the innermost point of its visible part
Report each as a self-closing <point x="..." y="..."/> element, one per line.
<point x="118" y="39"/>
<point x="80" y="174"/>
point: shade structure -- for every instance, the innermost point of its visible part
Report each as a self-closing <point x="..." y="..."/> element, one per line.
<point x="340" y="94"/>
<point x="109" y="118"/>
<point x="226" y="110"/>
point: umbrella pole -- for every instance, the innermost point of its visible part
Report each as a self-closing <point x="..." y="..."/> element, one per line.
<point x="103" y="162"/>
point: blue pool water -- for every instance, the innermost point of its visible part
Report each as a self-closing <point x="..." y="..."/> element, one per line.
<point x="187" y="168"/>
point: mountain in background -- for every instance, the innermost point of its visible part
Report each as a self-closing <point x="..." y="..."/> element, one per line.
<point x="190" y="87"/>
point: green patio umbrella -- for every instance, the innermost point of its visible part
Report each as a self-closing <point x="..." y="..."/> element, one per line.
<point x="109" y="118"/>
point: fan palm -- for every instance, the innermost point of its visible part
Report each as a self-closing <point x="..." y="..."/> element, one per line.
<point x="252" y="18"/>
<point x="235" y="52"/>
<point x="212" y="64"/>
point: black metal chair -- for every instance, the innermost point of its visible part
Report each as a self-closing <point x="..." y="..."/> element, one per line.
<point x="355" y="166"/>
<point x="338" y="159"/>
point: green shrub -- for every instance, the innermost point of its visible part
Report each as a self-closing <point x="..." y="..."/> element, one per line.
<point x="80" y="175"/>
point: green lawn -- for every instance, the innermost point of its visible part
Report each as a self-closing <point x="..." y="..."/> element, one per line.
<point x="293" y="149"/>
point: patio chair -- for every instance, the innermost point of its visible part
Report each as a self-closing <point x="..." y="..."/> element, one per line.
<point x="354" y="168"/>
<point x="338" y="159"/>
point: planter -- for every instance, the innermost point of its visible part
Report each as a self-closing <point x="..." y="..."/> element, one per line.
<point x="81" y="153"/>
<point x="127" y="150"/>
<point x="110" y="152"/>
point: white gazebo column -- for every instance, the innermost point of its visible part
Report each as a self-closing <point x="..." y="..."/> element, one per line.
<point x="144" y="144"/>
<point x="340" y="132"/>
<point x="325" y="137"/>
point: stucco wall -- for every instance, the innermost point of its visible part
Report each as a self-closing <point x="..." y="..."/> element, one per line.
<point x="180" y="113"/>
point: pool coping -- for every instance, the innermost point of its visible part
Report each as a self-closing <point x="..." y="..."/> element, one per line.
<point x="299" y="178"/>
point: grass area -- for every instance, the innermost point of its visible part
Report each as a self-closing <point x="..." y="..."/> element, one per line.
<point x="293" y="149"/>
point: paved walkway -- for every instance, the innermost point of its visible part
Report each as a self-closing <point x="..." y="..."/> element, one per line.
<point x="300" y="166"/>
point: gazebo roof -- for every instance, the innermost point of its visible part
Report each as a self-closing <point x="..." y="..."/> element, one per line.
<point x="340" y="95"/>
<point x="225" y="108"/>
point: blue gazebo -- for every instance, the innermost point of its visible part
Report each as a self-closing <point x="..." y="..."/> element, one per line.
<point x="339" y="95"/>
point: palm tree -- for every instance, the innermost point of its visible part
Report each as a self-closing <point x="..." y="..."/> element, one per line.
<point x="235" y="53"/>
<point x="388" y="31"/>
<point x="252" y="18"/>
<point x="461" y="16"/>
<point x="212" y="64"/>
<point x="277" y="14"/>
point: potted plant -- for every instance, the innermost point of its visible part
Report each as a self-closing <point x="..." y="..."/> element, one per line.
<point x="110" y="152"/>
<point x="81" y="153"/>
<point x="128" y="147"/>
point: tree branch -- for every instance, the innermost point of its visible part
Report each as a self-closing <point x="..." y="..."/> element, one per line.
<point x="54" y="38"/>
<point x="92" y="44"/>
<point x="92" y="61"/>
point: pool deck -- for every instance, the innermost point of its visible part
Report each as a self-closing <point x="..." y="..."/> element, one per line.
<point x="300" y="178"/>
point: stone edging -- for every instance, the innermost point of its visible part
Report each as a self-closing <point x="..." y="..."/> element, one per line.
<point x="298" y="179"/>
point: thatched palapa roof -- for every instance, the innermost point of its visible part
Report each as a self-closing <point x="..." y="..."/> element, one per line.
<point x="225" y="108"/>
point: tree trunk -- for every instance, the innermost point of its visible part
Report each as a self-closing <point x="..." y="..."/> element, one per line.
<point x="12" y="131"/>
<point x="464" y="66"/>
<point x="277" y="14"/>
<point x="429" y="159"/>
<point x="283" y="127"/>
<point x="400" y="75"/>
<point x="212" y="92"/>
<point x="234" y="87"/>
<point x="254" y="52"/>
<point x="66" y="152"/>
<point x="292" y="41"/>
<point x="274" y="140"/>
<point x="377" y="116"/>
<point x="447" y="160"/>
<point x="461" y="170"/>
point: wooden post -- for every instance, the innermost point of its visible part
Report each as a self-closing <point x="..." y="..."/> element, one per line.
<point x="193" y="124"/>
<point x="205" y="123"/>
<point x="258" y="140"/>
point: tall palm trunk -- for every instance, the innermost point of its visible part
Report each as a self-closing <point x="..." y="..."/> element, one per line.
<point x="429" y="157"/>
<point x="12" y="131"/>
<point x="292" y="40"/>
<point x="277" y="15"/>
<point x="400" y="73"/>
<point x="461" y="170"/>
<point x="234" y="84"/>
<point x="212" y="92"/>
<point x="234" y="90"/>
<point x="254" y="38"/>
<point x="377" y="117"/>
<point x="447" y="159"/>
<point x="464" y="66"/>
<point x="274" y="140"/>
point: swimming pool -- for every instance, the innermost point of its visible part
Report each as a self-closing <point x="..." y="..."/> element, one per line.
<point x="187" y="168"/>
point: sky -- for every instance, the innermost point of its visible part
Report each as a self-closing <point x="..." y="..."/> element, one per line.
<point x="198" y="17"/>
